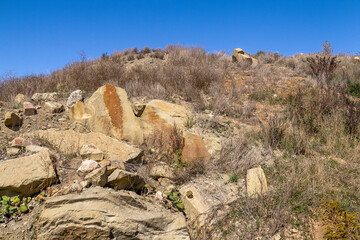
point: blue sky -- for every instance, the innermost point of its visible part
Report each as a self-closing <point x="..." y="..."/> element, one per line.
<point x="42" y="36"/>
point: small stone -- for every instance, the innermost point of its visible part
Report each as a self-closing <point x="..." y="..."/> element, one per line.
<point x="138" y="108"/>
<point x="159" y="195"/>
<point x="29" y="109"/>
<point x="86" y="167"/>
<point x="76" y="187"/>
<point x="74" y="97"/>
<point x="12" y="151"/>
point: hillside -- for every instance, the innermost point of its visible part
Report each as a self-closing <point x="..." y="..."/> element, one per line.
<point x="177" y="143"/>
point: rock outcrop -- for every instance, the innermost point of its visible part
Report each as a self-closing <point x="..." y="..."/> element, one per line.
<point x="240" y="56"/>
<point x="70" y="142"/>
<point x="109" y="111"/>
<point x="37" y="172"/>
<point x="99" y="213"/>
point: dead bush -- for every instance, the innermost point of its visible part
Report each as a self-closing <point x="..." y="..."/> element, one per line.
<point x="323" y="65"/>
<point x="158" y="53"/>
<point x="145" y="50"/>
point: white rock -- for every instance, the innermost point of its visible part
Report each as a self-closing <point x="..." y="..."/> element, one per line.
<point x="74" y="97"/>
<point x="159" y="195"/>
<point x="86" y="167"/>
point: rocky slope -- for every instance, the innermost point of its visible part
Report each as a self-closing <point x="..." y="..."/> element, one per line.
<point x="112" y="167"/>
<point x="107" y="168"/>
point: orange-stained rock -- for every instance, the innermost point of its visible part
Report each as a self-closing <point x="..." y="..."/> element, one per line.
<point x="78" y="112"/>
<point x="109" y="111"/>
<point x="194" y="148"/>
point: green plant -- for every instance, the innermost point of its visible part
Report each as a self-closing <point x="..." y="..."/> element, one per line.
<point x="12" y="208"/>
<point x="18" y="106"/>
<point x="189" y="122"/>
<point x="175" y="199"/>
<point x="234" y="177"/>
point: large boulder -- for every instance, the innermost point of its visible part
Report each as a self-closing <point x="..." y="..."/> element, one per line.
<point x="100" y="213"/>
<point x="109" y="111"/>
<point x="70" y="142"/>
<point x="240" y="56"/>
<point x="162" y="113"/>
<point x="165" y="120"/>
<point x="26" y="175"/>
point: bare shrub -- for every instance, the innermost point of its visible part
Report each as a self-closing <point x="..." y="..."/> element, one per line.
<point x="140" y="56"/>
<point x="131" y="57"/>
<point x="269" y="57"/>
<point x="145" y="50"/>
<point x="323" y="66"/>
<point x="158" y="54"/>
<point x="135" y="50"/>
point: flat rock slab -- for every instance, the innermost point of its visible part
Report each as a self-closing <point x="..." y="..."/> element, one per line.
<point x="202" y="195"/>
<point x="70" y="142"/>
<point x="26" y="175"/>
<point x="100" y="213"/>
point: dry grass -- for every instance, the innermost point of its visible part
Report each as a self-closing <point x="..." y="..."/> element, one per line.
<point x="187" y="72"/>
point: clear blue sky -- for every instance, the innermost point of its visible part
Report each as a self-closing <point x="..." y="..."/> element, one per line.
<point x="42" y="36"/>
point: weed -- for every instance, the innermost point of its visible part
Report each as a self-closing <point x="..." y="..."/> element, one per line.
<point x="13" y="207"/>
<point x="189" y="122"/>
<point x="234" y="177"/>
